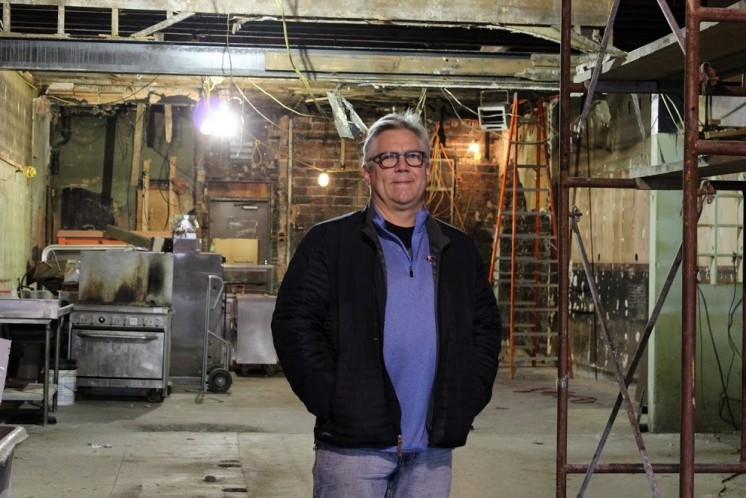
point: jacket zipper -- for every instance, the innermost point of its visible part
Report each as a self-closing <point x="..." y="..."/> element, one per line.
<point x="411" y="263"/>
<point x="399" y="451"/>
<point x="409" y="254"/>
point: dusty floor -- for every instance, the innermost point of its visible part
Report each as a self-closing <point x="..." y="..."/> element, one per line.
<point x="255" y="441"/>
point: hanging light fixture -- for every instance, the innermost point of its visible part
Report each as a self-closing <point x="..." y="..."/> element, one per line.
<point x="214" y="117"/>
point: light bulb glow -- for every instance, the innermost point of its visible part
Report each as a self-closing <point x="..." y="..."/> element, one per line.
<point x="323" y="179"/>
<point x="215" y="118"/>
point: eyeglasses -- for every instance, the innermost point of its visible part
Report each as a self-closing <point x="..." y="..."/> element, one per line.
<point x="388" y="160"/>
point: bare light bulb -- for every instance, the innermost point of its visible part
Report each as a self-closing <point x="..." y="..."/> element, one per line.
<point x="324" y="179"/>
<point x="474" y="150"/>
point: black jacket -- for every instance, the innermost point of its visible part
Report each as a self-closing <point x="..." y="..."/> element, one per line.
<point x="328" y="331"/>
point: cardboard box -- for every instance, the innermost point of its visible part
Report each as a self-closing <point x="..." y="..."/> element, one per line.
<point x="237" y="251"/>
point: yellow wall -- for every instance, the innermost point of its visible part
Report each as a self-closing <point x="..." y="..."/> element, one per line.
<point x="16" y="108"/>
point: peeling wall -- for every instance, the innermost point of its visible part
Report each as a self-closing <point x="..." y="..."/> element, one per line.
<point x="16" y="196"/>
<point x="288" y="155"/>
<point x="614" y="232"/>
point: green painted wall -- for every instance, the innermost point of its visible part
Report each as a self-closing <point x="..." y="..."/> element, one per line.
<point x="718" y="342"/>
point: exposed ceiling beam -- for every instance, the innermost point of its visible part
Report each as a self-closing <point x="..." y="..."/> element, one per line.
<point x="552" y="33"/>
<point x="497" y="12"/>
<point x="203" y="60"/>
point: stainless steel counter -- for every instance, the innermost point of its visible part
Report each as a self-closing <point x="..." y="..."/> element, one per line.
<point x="30" y="309"/>
<point x="44" y="312"/>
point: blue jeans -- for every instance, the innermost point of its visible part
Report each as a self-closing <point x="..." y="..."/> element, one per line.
<point x="366" y="473"/>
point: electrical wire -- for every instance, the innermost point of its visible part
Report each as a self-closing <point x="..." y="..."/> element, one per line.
<point x="455" y="111"/>
<point x="302" y="77"/>
<point x="248" y="101"/>
<point x="449" y="93"/>
<point x="735" y="351"/>
<point x="677" y="120"/>
<point x="724" y="400"/>
<point x="265" y="92"/>
<point x="438" y="155"/>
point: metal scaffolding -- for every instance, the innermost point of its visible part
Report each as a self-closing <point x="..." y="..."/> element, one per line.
<point x="692" y="193"/>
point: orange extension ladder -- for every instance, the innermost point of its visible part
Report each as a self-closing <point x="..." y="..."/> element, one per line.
<point x="524" y="252"/>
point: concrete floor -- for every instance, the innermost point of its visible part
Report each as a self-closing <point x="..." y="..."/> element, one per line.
<point x="255" y="441"/>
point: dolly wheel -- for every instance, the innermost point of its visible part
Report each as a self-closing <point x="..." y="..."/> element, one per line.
<point x="155" y="396"/>
<point x="219" y="380"/>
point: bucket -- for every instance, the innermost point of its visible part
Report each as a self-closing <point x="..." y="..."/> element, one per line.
<point x="65" y="382"/>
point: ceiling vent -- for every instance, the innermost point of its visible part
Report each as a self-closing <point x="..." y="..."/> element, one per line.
<point x="493" y="111"/>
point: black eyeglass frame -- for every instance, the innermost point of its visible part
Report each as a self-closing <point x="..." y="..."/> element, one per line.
<point x="418" y="155"/>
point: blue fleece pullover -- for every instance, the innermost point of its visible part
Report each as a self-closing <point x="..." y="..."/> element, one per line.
<point x="409" y="335"/>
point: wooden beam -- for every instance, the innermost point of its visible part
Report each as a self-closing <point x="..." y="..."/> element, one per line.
<point x="137" y="145"/>
<point x="440" y="65"/>
<point x="143" y="208"/>
<point x="6" y="17"/>
<point x="168" y="122"/>
<point x="115" y="22"/>
<point x="173" y="198"/>
<point x="163" y="24"/>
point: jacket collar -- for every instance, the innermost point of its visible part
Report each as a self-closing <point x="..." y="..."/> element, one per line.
<point x="438" y="240"/>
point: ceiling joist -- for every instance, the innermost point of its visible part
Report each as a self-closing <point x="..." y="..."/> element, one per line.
<point x="162" y="25"/>
<point x="497" y="12"/>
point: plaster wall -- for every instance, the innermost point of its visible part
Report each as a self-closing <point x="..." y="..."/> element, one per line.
<point x="614" y="230"/>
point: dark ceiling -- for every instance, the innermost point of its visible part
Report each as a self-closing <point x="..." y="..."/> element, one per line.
<point x="638" y="23"/>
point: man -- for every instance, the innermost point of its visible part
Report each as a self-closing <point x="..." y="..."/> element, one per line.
<point x="388" y="331"/>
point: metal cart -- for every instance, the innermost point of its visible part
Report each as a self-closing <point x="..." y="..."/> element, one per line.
<point x="216" y="350"/>
<point x="254" y="345"/>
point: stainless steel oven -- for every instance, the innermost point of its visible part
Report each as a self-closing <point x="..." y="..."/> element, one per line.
<point x="119" y="346"/>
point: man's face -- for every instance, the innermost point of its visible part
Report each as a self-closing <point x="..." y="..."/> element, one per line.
<point x="402" y="187"/>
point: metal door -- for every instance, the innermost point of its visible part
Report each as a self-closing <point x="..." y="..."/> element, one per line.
<point x="241" y="219"/>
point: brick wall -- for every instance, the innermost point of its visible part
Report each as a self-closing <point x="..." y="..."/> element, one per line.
<point x="316" y="147"/>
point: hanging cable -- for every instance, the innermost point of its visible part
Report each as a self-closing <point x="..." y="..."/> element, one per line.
<point x="302" y="77"/>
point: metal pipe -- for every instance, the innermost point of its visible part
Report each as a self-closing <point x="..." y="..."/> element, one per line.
<point x="563" y="251"/>
<point x="721" y="14"/>
<point x="743" y="337"/>
<point x="721" y="147"/>
<point x="577" y="182"/>
<point x="660" y="468"/>
<point x="671" y="20"/>
<point x="597" y="68"/>
<point x="690" y="186"/>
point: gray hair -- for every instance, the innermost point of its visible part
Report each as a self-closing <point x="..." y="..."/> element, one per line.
<point x="409" y="120"/>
